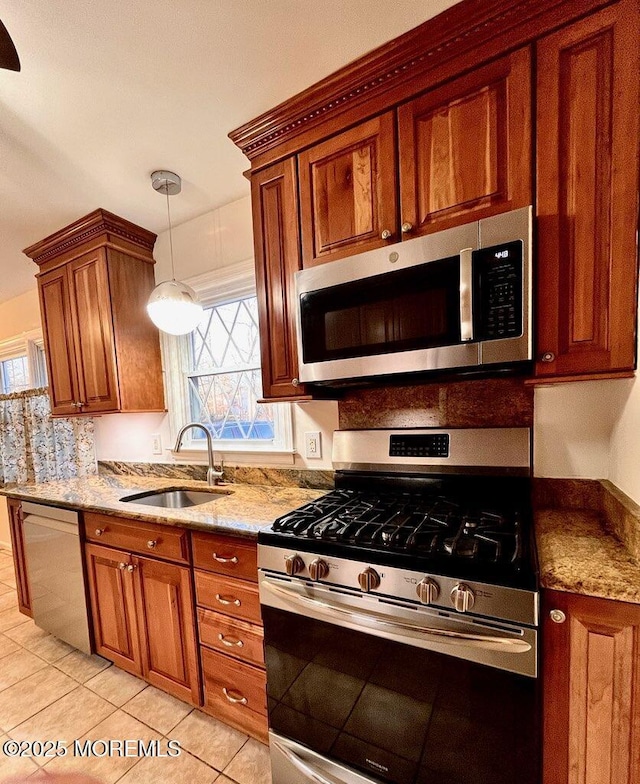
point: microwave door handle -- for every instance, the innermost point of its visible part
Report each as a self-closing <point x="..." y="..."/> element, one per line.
<point x="466" y="294"/>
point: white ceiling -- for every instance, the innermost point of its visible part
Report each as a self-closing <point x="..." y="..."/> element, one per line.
<point x="110" y="91"/>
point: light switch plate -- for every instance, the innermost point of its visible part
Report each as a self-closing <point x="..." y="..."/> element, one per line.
<point x="156" y="444"/>
<point x="312" y="445"/>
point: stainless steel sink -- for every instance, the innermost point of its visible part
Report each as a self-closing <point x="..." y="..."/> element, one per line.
<point x="176" y="499"/>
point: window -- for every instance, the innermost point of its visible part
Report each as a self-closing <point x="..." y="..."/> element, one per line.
<point x="224" y="381"/>
<point x="22" y="363"/>
<point x="213" y="374"/>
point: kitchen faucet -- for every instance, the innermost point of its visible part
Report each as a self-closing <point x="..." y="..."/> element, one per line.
<point x="213" y="476"/>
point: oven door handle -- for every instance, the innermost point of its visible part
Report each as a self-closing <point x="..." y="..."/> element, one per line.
<point x="304" y="767"/>
<point x="471" y="639"/>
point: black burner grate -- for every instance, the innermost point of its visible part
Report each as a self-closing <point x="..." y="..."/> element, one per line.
<point x="420" y="524"/>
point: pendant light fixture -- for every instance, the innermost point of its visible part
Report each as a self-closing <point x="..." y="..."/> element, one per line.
<point x="173" y="306"/>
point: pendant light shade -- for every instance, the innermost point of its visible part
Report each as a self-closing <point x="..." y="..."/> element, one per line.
<point x="172" y="306"/>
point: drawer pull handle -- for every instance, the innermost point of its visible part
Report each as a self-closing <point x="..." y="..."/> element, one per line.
<point x="230" y="643"/>
<point x="224" y="559"/>
<point x="240" y="700"/>
<point x="152" y="543"/>
<point x="228" y="600"/>
<point x="100" y="531"/>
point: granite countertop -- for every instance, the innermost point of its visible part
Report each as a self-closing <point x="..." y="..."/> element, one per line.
<point x="577" y="554"/>
<point x="239" y="509"/>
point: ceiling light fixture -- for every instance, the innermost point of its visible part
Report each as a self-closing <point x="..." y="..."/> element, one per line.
<point x="173" y="306"/>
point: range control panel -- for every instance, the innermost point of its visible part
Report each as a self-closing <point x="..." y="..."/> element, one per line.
<point x="419" y="445"/>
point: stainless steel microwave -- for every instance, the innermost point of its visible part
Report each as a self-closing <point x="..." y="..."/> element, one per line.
<point x="456" y="299"/>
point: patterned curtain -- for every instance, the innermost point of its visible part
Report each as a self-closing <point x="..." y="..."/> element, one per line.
<point x="34" y="447"/>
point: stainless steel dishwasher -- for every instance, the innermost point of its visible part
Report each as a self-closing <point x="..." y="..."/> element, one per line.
<point x="54" y="569"/>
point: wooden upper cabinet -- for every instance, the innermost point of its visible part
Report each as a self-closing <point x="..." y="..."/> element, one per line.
<point x="90" y="306"/>
<point x="277" y="258"/>
<point x="587" y="161"/>
<point x="57" y="327"/>
<point x="591" y="671"/>
<point x="348" y="192"/>
<point x="103" y="352"/>
<point x="465" y="147"/>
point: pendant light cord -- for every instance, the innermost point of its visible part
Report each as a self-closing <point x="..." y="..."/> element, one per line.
<point x="173" y="271"/>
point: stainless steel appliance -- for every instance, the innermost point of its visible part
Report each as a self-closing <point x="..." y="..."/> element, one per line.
<point x="460" y="298"/>
<point x="401" y="615"/>
<point x="54" y="568"/>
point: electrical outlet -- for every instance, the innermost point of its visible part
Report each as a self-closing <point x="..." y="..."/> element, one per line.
<point x="313" y="447"/>
<point x="156" y="444"/>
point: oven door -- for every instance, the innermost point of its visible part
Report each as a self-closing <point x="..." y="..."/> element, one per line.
<point x="381" y="691"/>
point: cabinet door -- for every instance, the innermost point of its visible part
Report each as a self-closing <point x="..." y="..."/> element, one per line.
<point x="587" y="153"/>
<point x="277" y="256"/>
<point x="113" y="606"/>
<point x="58" y="336"/>
<point x="20" y="565"/>
<point x="465" y="147"/>
<point x="591" y="691"/>
<point x="93" y="332"/>
<point x="348" y="192"/>
<point x="168" y="628"/>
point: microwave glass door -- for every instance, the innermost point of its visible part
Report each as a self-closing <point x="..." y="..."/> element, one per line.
<point x="413" y="308"/>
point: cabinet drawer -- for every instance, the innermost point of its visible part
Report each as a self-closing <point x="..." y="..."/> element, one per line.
<point x="235" y="692"/>
<point x="226" y="595"/>
<point x="231" y="636"/>
<point x="226" y="555"/>
<point x="162" y="541"/>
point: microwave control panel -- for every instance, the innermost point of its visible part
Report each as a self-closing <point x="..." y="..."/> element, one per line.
<point x="497" y="275"/>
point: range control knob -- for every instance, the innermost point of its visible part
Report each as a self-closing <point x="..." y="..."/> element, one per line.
<point x="369" y="580"/>
<point x="428" y="590"/>
<point x="293" y="564"/>
<point x="462" y="597"/>
<point x="318" y="569"/>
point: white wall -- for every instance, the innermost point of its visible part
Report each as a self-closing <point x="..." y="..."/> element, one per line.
<point x="212" y="241"/>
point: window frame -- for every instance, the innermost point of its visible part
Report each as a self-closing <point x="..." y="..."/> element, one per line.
<point x="28" y="344"/>
<point x="226" y="284"/>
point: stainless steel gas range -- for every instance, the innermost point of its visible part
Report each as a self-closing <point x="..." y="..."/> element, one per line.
<point x="401" y="615"/>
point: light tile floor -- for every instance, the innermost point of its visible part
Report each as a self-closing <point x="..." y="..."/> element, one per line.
<point x="49" y="691"/>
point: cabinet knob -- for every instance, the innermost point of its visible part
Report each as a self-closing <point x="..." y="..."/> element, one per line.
<point x="230" y="694"/>
<point x="224" y="559"/>
<point x="100" y="531"/>
<point x="228" y="600"/>
<point x="557" y="616"/>
<point x="385" y="234"/>
<point x="122" y="566"/>
<point x="548" y="356"/>
<point x="295" y="382"/>
<point x="131" y="567"/>
<point x="152" y="543"/>
<point x="406" y="227"/>
<point x="233" y="643"/>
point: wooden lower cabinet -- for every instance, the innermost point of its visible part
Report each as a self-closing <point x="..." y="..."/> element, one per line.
<point x="113" y="610"/>
<point x="591" y="665"/>
<point x="14" y="508"/>
<point x="144" y="619"/>
<point x="230" y="631"/>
